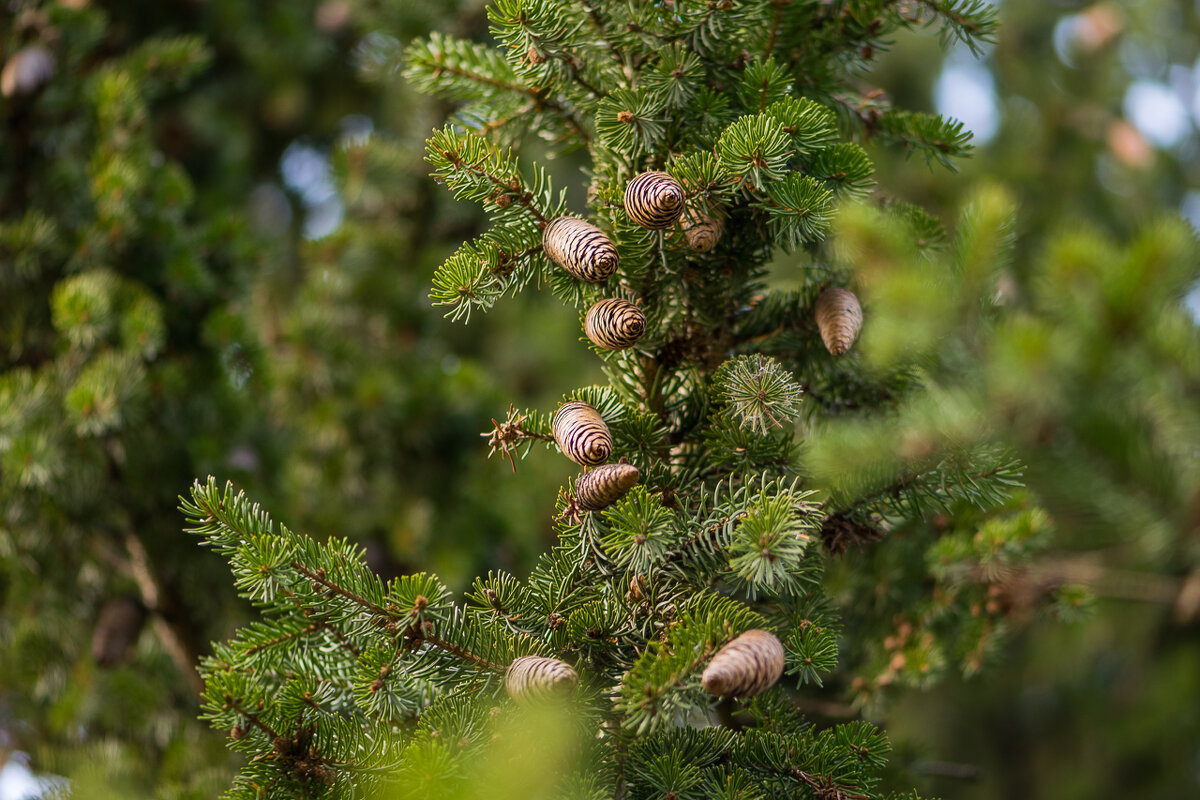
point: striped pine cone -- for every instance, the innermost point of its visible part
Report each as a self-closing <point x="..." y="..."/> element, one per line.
<point x="26" y="70"/>
<point x="533" y="677"/>
<point x="614" y="324"/>
<point x="582" y="434"/>
<point x="604" y="486"/>
<point x="701" y="230"/>
<point x="580" y="248"/>
<point x="654" y="200"/>
<point x="747" y="666"/>
<point x="840" y="318"/>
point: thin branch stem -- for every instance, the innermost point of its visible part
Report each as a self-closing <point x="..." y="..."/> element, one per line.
<point x="149" y="587"/>
<point x="776" y="19"/>
<point x="319" y="576"/>
<point x="455" y="650"/>
<point x="253" y="718"/>
<point x="383" y="614"/>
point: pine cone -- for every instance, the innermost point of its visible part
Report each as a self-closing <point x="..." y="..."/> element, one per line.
<point x="654" y="200"/>
<point x="533" y="677"/>
<point x="614" y="324"/>
<point x="580" y="248"/>
<point x="26" y="70"/>
<point x="604" y="486"/>
<point x="701" y="230"/>
<point x="582" y="434"/>
<point x="839" y="316"/>
<point x="117" y="629"/>
<point x="747" y="666"/>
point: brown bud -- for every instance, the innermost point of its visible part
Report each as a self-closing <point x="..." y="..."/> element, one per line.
<point x="535" y="56"/>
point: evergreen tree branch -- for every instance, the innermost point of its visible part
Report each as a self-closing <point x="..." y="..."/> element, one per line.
<point x="576" y="69"/>
<point x="508" y="436"/>
<point x="254" y="719"/>
<point x="457" y="651"/>
<point x="445" y="56"/>
<point x="776" y="18"/>
<point x="284" y="638"/>
<point x="973" y="22"/>
<point x="597" y="22"/>
<point x="381" y="615"/>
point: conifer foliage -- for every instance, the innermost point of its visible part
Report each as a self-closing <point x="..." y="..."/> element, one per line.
<point x="695" y="573"/>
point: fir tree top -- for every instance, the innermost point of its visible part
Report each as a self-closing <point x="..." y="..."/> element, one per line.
<point x="709" y="547"/>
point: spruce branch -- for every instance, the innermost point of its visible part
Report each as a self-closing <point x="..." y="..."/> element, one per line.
<point x="268" y="569"/>
<point x="972" y="22"/>
<point x="475" y="170"/>
<point x="507" y="437"/>
<point x="777" y="7"/>
<point x="758" y="392"/>
<point x="461" y="70"/>
<point x="318" y="576"/>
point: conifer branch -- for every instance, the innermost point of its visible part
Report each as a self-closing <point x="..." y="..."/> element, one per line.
<point x="597" y="22"/>
<point x="773" y="32"/>
<point x="503" y="188"/>
<point x="717" y="535"/>
<point x="576" y="69"/>
<point x="431" y="64"/>
<point x="236" y="705"/>
<point x="455" y="650"/>
<point x="319" y="576"/>
<point x="283" y="638"/>
<point x="383" y="616"/>
<point x="506" y="437"/>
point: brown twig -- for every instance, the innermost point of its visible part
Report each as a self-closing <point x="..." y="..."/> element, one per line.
<point x="174" y="641"/>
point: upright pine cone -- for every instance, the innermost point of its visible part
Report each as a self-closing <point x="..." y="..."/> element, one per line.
<point x="654" y="200"/>
<point x="701" y="230"/>
<point x="747" y="666"/>
<point x="580" y="248"/>
<point x="614" y="324"/>
<point x="532" y="677"/>
<point x="582" y="434"/>
<point x="839" y="316"/>
<point x="604" y="486"/>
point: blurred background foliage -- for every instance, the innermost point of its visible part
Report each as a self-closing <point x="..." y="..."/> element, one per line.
<point x="216" y="234"/>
